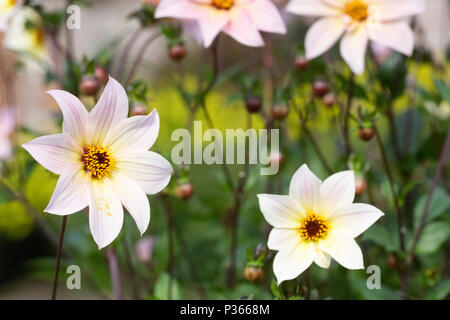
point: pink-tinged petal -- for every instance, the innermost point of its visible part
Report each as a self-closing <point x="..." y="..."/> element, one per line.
<point x="322" y="35"/>
<point x="243" y="29"/>
<point x="7" y="121"/>
<point x="280" y="211"/>
<point x="71" y="193"/>
<point x="312" y="8"/>
<point x="305" y="187"/>
<point x="74" y="114"/>
<point x="388" y="10"/>
<point x="395" y="35"/>
<point x="54" y="152"/>
<point x="111" y="109"/>
<point x="353" y="48"/>
<point x="150" y="170"/>
<point x="344" y="250"/>
<point x="266" y="16"/>
<point x="337" y="191"/>
<point x="321" y="258"/>
<point x="5" y="148"/>
<point x="279" y="238"/>
<point x="133" y="199"/>
<point x="339" y="4"/>
<point x="291" y="261"/>
<point x="137" y="133"/>
<point x="351" y="221"/>
<point x="211" y="24"/>
<point x="105" y="212"/>
<point x="182" y="9"/>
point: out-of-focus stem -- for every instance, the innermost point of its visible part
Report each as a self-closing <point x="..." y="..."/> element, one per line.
<point x="392" y="186"/>
<point x="170" y="233"/>
<point x="114" y="272"/>
<point x="126" y="52"/>
<point x="346" y="115"/>
<point x="58" y="256"/>
<point x="131" y="271"/>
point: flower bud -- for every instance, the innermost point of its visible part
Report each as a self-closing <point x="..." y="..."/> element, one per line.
<point x="184" y="191"/>
<point x="144" y="249"/>
<point x="139" y="110"/>
<point x="254" y="274"/>
<point x="366" y="134"/>
<point x="177" y="52"/>
<point x="392" y="261"/>
<point x="301" y="63"/>
<point x="279" y="112"/>
<point x="320" y="88"/>
<point x="360" y="185"/>
<point x="253" y="104"/>
<point x="276" y="157"/>
<point x="329" y="99"/>
<point x="101" y="74"/>
<point x="89" y="85"/>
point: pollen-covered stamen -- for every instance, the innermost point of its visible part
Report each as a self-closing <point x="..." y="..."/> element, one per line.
<point x="97" y="161"/>
<point x="223" y="4"/>
<point x="357" y="10"/>
<point x="313" y="228"/>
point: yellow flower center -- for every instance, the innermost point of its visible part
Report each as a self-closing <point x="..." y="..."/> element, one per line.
<point x="38" y="37"/>
<point x="313" y="228"/>
<point x="223" y="4"/>
<point x="6" y="5"/>
<point x="97" y="161"/>
<point x="357" y="10"/>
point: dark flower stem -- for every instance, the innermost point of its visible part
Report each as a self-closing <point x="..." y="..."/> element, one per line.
<point x="346" y="115"/>
<point x="58" y="257"/>
<point x="114" y="272"/>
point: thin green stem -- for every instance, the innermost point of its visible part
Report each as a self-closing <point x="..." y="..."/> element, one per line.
<point x="58" y="257"/>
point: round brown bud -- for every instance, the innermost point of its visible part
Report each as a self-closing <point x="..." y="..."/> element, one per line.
<point x="101" y="74"/>
<point x="301" y="63"/>
<point x="253" y="104"/>
<point x="366" y="134"/>
<point x="89" y="85"/>
<point x="320" y="88"/>
<point x="392" y="261"/>
<point x="360" y="185"/>
<point x="254" y="274"/>
<point x="329" y="99"/>
<point x="139" y="110"/>
<point x="184" y="191"/>
<point x="279" y="112"/>
<point x="177" y="52"/>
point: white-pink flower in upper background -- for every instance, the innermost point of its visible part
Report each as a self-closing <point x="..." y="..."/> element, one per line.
<point x="7" y="10"/>
<point x="317" y="221"/>
<point x="103" y="161"/>
<point x="7" y="124"/>
<point x="241" y="19"/>
<point x="382" y="21"/>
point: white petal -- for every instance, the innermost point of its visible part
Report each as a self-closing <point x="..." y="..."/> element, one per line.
<point x="280" y="211"/>
<point x="105" y="212"/>
<point x="111" y="109"/>
<point x="388" y="10"/>
<point x="353" y="48"/>
<point x="321" y="258"/>
<point x="322" y="35"/>
<point x="54" y="152"/>
<point x="137" y="133"/>
<point x="71" y="192"/>
<point x="74" y="114"/>
<point x="289" y="263"/>
<point x="266" y="16"/>
<point x="305" y="187"/>
<point x="134" y="200"/>
<point x="280" y="238"/>
<point x="150" y="170"/>
<point x="344" y="250"/>
<point x="351" y="221"/>
<point x="395" y="35"/>
<point x="243" y="30"/>
<point x="312" y="8"/>
<point x="211" y="23"/>
<point x="337" y="191"/>
<point x="183" y="9"/>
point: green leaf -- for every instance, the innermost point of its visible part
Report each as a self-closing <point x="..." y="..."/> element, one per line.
<point x="443" y="89"/>
<point x="433" y="236"/>
<point x="440" y="204"/>
<point x="275" y="290"/>
<point x="382" y="236"/>
<point x="439" y="291"/>
<point x="162" y="288"/>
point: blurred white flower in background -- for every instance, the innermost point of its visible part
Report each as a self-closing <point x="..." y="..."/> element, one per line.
<point x="7" y="10"/>
<point x="7" y="124"/>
